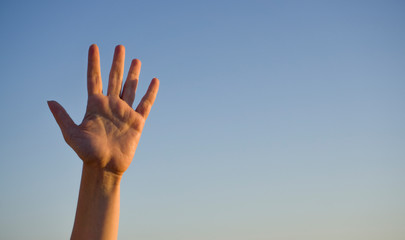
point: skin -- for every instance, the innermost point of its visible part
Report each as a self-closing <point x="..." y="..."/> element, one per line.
<point x="106" y="141"/>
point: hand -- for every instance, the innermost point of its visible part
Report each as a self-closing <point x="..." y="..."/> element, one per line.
<point x="109" y="133"/>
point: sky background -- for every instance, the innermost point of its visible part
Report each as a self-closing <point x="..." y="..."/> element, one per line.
<point x="274" y="119"/>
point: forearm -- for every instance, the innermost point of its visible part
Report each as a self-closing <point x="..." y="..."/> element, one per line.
<point x="98" y="207"/>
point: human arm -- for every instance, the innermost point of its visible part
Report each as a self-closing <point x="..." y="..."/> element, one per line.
<point x="106" y="141"/>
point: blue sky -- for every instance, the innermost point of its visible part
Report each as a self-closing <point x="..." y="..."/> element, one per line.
<point x="274" y="120"/>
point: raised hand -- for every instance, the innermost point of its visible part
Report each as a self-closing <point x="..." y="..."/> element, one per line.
<point x="109" y="133"/>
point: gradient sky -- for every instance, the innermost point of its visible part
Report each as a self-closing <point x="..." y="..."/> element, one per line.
<point x="274" y="120"/>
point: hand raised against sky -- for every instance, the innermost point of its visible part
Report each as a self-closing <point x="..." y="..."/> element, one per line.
<point x="109" y="133"/>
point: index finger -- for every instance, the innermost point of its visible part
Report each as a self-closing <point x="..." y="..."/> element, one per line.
<point x="94" y="84"/>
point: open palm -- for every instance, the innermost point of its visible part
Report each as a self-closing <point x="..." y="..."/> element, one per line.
<point x="110" y="131"/>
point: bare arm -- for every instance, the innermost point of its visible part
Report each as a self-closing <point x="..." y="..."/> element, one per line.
<point x="106" y="141"/>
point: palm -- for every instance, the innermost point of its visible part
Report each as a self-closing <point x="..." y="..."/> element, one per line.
<point x="109" y="133"/>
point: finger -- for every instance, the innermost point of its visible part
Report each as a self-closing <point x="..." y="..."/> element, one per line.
<point x="128" y="92"/>
<point x="94" y="84"/>
<point x="147" y="101"/>
<point x="116" y="73"/>
<point x="66" y="124"/>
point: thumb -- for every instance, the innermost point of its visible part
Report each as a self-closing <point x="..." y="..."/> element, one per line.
<point x="66" y="124"/>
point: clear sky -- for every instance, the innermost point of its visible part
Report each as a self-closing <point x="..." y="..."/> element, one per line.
<point x="274" y="120"/>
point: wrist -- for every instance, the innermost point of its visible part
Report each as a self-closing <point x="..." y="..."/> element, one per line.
<point x="101" y="177"/>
